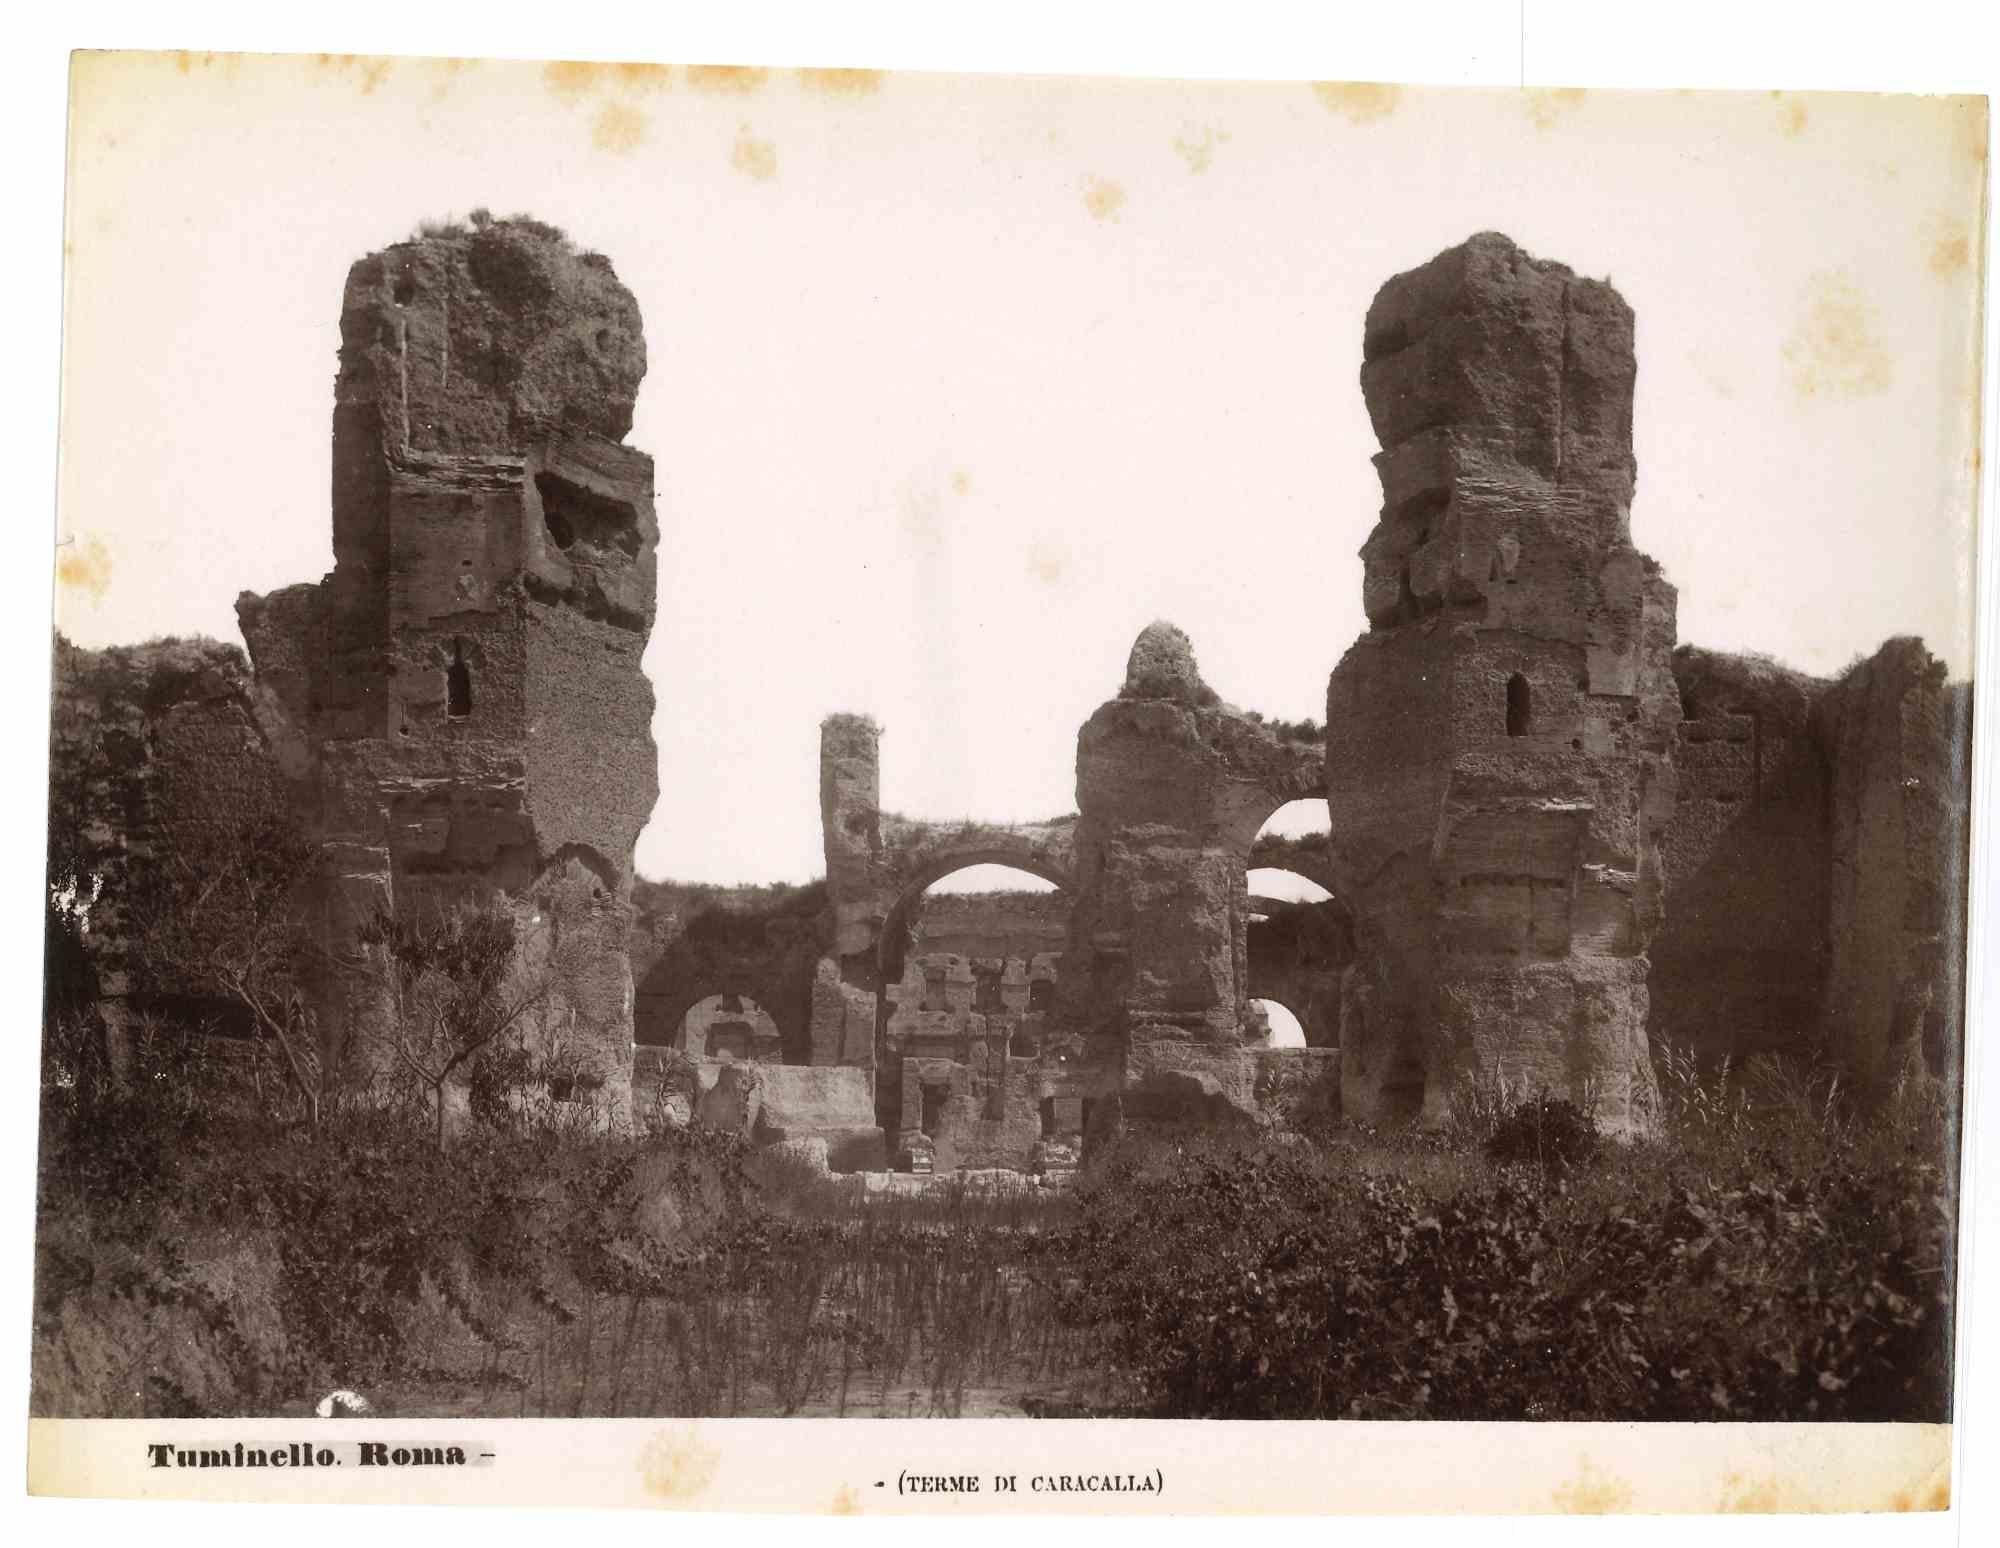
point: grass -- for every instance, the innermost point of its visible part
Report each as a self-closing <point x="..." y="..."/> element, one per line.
<point x="1772" y="1253"/>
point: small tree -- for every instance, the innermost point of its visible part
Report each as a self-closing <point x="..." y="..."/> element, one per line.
<point x="219" y="906"/>
<point x="457" y="988"/>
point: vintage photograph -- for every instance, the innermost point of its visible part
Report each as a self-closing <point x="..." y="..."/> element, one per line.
<point x="735" y="742"/>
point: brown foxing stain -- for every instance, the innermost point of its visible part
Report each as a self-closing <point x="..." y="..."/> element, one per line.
<point x="1103" y="198"/>
<point x="739" y="80"/>
<point x="187" y="62"/>
<point x="961" y="482"/>
<point x="84" y="569"/>
<point x="1764" y="1496"/>
<point x="1546" y="107"/>
<point x="1046" y="562"/>
<point x="1835" y="349"/>
<point x="845" y="1502"/>
<point x="570" y="79"/>
<point x="753" y="157"/>
<point x="447" y="72"/>
<point x="1791" y="115"/>
<point x="573" y="79"/>
<point x="636" y="78"/>
<point x="1359" y="102"/>
<point x="1593" y="1492"/>
<point x="842" y="83"/>
<point x="1197" y="146"/>
<point x="618" y="128"/>
<point x="677" y="1465"/>
<point x="372" y="71"/>
<point x="1969" y="121"/>
<point x="1948" y="247"/>
<point x="1932" y="1493"/>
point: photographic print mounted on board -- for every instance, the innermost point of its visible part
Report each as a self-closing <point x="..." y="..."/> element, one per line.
<point x="739" y="746"/>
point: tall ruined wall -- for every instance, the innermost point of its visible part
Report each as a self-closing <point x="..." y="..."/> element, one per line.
<point x="467" y="714"/>
<point x="1898" y="737"/>
<point x="1739" y="965"/>
<point x="1815" y="866"/>
<point x="1172" y="788"/>
<point x="155" y="753"/>
<point x="1499" y="743"/>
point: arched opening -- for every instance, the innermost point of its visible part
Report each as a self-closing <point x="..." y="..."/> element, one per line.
<point x="1299" y="936"/>
<point x="969" y="964"/>
<point x="1517" y="705"/>
<point x="1283" y="886"/>
<point x="458" y="684"/>
<point x="1287" y="1031"/>
<point x="988" y="877"/>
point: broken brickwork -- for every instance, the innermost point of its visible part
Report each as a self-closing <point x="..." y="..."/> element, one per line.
<point x="1499" y="755"/>
<point x="1554" y="838"/>
<point x="461" y="702"/>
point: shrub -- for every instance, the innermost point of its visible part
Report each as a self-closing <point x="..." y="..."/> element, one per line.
<point x="1550" y="1132"/>
<point x="1284" y="1282"/>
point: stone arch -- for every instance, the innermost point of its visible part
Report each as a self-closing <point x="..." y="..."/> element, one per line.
<point x="1308" y="854"/>
<point x="894" y="939"/>
<point x="759" y="949"/>
<point x="964" y="1008"/>
<point x="1287" y="1030"/>
<point x="1297" y="948"/>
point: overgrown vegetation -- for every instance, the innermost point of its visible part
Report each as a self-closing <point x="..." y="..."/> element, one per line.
<point x="458" y="990"/>
<point x="1768" y="1256"/>
<point x="1308" y="730"/>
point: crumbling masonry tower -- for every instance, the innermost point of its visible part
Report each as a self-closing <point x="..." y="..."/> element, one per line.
<point x="460" y="704"/>
<point x="1499" y="756"/>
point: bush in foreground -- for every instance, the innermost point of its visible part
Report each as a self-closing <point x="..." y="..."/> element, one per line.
<point x="1285" y="1283"/>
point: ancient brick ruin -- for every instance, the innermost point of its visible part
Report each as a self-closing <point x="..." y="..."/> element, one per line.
<point x="1557" y="840"/>
<point x="460" y="704"/>
<point x="1501" y="765"/>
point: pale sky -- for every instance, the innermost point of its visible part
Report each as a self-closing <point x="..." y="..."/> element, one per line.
<point x="957" y="382"/>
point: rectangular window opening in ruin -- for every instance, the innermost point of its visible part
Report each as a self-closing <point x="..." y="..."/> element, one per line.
<point x="458" y="684"/>
<point x="935" y="1096"/>
<point x="1048" y="1117"/>
<point x="1518" y="705"/>
<point x="935" y="997"/>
